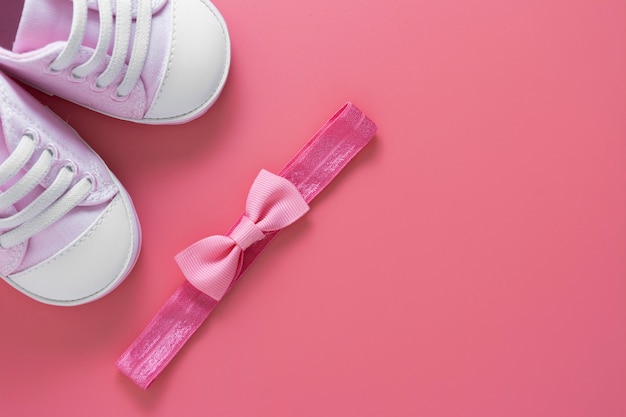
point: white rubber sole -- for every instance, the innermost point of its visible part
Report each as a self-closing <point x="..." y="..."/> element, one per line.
<point x="117" y="280"/>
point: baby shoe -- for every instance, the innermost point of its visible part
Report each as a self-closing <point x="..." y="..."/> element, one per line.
<point x="68" y="229"/>
<point x="147" y="61"/>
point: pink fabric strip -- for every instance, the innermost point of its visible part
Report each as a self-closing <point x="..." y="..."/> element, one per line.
<point x="311" y="170"/>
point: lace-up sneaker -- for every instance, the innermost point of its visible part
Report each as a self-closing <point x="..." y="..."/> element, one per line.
<point x="68" y="230"/>
<point x="147" y="61"/>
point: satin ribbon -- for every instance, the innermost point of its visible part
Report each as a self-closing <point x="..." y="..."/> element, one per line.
<point x="213" y="263"/>
<point x="309" y="172"/>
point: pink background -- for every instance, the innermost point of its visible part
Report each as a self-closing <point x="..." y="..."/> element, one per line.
<point x="470" y="262"/>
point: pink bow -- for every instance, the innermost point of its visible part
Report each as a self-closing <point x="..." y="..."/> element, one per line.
<point x="212" y="263"/>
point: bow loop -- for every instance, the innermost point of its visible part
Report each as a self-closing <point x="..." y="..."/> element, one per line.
<point x="274" y="202"/>
<point x="213" y="263"/>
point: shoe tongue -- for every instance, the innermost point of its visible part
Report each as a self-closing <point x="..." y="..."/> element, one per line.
<point x="43" y="22"/>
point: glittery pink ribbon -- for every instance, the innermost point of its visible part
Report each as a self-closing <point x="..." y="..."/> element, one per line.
<point x="217" y="268"/>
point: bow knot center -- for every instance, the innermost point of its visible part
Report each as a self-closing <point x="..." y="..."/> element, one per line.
<point x="246" y="233"/>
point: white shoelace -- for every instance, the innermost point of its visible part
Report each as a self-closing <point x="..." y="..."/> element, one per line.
<point x="52" y="204"/>
<point x="123" y="29"/>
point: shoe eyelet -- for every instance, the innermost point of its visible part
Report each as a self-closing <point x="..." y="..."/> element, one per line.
<point x="89" y="177"/>
<point x="53" y="150"/>
<point x="73" y="78"/>
<point x="119" y="98"/>
<point x="94" y="87"/>
<point x="50" y="71"/>
<point x="71" y="165"/>
<point x="32" y="134"/>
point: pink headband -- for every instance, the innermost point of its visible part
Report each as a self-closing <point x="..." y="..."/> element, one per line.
<point x="213" y="265"/>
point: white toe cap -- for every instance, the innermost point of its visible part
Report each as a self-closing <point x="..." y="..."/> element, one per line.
<point x="90" y="267"/>
<point x="198" y="66"/>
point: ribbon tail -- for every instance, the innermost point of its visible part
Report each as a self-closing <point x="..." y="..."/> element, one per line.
<point x="175" y="322"/>
<point x="168" y="332"/>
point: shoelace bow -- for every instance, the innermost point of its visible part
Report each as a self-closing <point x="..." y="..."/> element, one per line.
<point x="52" y="204"/>
<point x="123" y="29"/>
